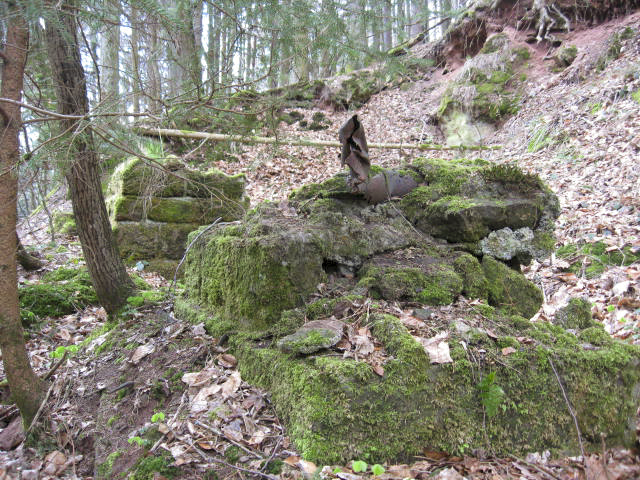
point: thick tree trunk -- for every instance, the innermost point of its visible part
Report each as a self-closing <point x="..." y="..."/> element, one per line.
<point x="27" y="390"/>
<point x="106" y="269"/>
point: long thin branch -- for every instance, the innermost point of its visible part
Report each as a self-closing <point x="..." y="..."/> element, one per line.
<point x="61" y="116"/>
<point x="252" y="139"/>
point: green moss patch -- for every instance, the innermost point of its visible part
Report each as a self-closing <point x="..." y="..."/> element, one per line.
<point x="485" y="92"/>
<point x="65" y="223"/>
<point x="61" y="292"/>
<point x="592" y="259"/>
<point x="510" y="290"/>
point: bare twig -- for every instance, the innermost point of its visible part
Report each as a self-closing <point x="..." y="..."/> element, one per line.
<point x="56" y="366"/>
<point x="39" y="412"/>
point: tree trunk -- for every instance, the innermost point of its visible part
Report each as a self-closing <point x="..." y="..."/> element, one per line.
<point x="110" y="50"/>
<point x="27" y="390"/>
<point x="136" y="74"/>
<point x="106" y="269"/>
<point x="153" y="70"/>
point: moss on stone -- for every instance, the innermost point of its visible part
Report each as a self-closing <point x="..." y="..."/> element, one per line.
<point x="149" y="240"/>
<point x="565" y="56"/>
<point x="473" y="280"/>
<point x="440" y="285"/>
<point x="509" y="290"/>
<point x="200" y="211"/>
<point x="252" y="280"/>
<point x="575" y="315"/>
<point x="335" y="409"/>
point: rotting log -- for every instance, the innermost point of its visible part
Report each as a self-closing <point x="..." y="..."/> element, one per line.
<point x="254" y="139"/>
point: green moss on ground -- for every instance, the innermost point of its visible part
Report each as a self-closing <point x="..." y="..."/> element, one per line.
<point x="65" y="223"/>
<point x="576" y="315"/>
<point x="146" y="468"/>
<point x="592" y="259"/>
<point x="60" y="292"/>
<point x="103" y="471"/>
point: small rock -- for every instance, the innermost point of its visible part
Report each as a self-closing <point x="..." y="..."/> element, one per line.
<point x="313" y="336"/>
<point x="422" y="313"/>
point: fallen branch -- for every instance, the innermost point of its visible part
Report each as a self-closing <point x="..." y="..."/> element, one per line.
<point x="253" y="139"/>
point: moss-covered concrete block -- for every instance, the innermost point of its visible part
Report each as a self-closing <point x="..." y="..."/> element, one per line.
<point x="270" y="273"/>
<point x="171" y="179"/>
<point x="154" y="207"/>
<point x="151" y="240"/>
<point x="201" y="211"/>
<point x="336" y="409"/>
<point x="510" y="289"/>
<point x="466" y="201"/>
<point x="416" y="277"/>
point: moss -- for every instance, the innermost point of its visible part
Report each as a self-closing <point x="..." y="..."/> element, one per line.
<point x="439" y="286"/>
<point x="495" y="43"/>
<point x="61" y="292"/>
<point x="146" y="467"/>
<point x="334" y="409"/>
<point x="65" y="223"/>
<point x="576" y="315"/>
<point x="565" y="57"/>
<point x="520" y="323"/>
<point x="112" y="420"/>
<point x="176" y="210"/>
<point x="614" y="48"/>
<point x="325" y="306"/>
<point x="310" y="342"/>
<point x="523" y="54"/>
<point x="232" y="454"/>
<point x="103" y="471"/>
<point x="592" y="259"/>
<point x="251" y="280"/>
<point x="508" y="341"/>
<point x="509" y="290"/>
<point x="333" y="186"/>
<point x="636" y="95"/>
<point x="510" y="174"/>
<point x="595" y="335"/>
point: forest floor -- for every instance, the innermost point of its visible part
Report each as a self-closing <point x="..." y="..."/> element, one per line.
<point x="581" y="136"/>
